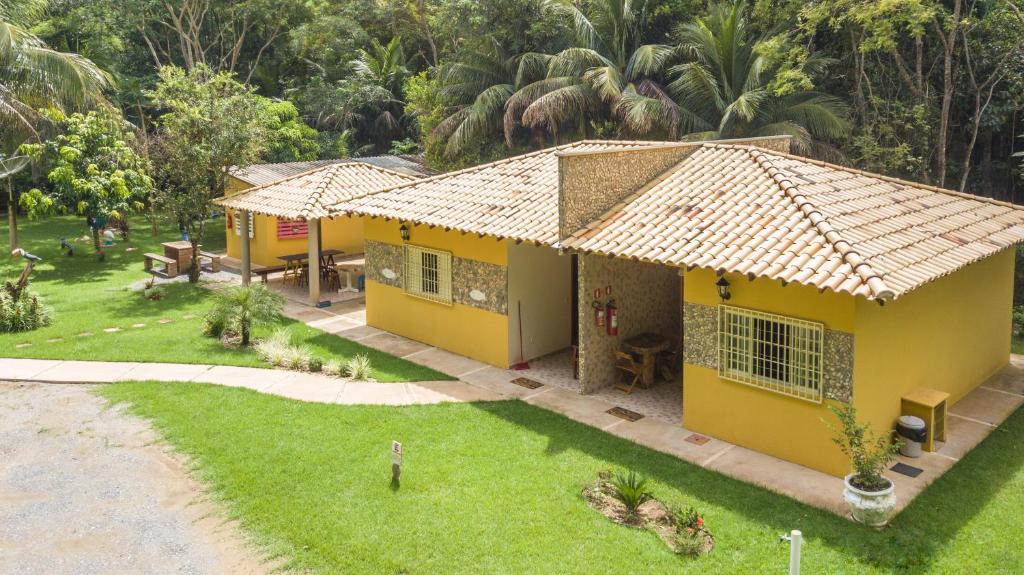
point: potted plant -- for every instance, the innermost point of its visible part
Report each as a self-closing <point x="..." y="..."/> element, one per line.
<point x="870" y="496"/>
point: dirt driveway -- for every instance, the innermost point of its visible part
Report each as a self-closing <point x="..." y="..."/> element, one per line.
<point x="85" y="489"/>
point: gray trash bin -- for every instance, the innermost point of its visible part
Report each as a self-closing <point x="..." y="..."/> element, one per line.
<point x="913" y="432"/>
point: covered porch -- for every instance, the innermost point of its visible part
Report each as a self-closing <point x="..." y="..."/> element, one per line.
<point x="586" y="320"/>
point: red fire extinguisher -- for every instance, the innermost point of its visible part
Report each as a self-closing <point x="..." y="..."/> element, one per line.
<point x="598" y="313"/>
<point x="613" y="318"/>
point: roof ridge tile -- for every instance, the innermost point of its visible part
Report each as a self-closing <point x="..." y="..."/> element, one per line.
<point x="859" y="264"/>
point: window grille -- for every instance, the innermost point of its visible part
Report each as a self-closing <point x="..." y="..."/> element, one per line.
<point x="428" y="273"/>
<point x="238" y="225"/>
<point x="770" y="351"/>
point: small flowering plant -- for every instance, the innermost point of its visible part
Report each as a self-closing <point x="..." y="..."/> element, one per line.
<point x="691" y="538"/>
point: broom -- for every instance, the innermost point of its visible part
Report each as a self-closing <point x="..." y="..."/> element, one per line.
<point x="521" y="364"/>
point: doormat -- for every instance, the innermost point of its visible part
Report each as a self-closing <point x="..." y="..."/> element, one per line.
<point x="908" y="470"/>
<point x="527" y="383"/>
<point x="623" y="413"/>
<point x="698" y="439"/>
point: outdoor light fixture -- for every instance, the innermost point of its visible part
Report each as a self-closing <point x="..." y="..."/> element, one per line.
<point x="404" y="230"/>
<point x="723" y="288"/>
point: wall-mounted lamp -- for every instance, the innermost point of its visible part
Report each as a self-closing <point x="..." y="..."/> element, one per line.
<point x="723" y="288"/>
<point x="404" y="231"/>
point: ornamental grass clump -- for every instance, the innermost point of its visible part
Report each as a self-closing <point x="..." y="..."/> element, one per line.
<point x="333" y="367"/>
<point x="358" y="367"/>
<point x="21" y="310"/>
<point x="275" y="349"/>
<point x="869" y="455"/>
<point x="630" y="489"/>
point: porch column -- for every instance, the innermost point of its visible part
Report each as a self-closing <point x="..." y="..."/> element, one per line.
<point x="243" y="229"/>
<point x="314" y="260"/>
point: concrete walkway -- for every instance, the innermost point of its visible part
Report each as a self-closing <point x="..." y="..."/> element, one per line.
<point x="291" y="384"/>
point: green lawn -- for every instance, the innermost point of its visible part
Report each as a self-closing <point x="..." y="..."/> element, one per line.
<point x="494" y="487"/>
<point x="90" y="296"/>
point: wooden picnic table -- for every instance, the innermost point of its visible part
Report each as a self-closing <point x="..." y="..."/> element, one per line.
<point x="647" y="346"/>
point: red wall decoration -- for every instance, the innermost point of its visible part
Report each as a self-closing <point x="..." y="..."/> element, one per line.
<point x="291" y="229"/>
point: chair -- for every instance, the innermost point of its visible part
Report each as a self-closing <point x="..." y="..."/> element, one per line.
<point x="633" y="371"/>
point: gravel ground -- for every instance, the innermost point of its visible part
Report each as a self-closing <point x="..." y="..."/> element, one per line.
<point x="88" y="489"/>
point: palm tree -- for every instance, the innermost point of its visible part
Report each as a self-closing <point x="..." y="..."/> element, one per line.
<point x="33" y="76"/>
<point x="589" y="80"/>
<point x="242" y="308"/>
<point x="478" y="84"/>
<point x="724" y="88"/>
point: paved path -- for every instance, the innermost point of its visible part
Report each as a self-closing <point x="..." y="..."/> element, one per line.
<point x="291" y="384"/>
<point x="87" y="489"/>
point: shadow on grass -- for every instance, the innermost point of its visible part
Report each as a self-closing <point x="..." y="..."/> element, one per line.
<point x="177" y="296"/>
<point x="908" y="545"/>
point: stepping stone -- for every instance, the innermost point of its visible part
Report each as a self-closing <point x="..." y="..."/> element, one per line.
<point x="21" y="345"/>
<point x="164" y="320"/>
<point x="138" y="325"/>
<point x="188" y="316"/>
<point x="130" y="249"/>
<point x="85" y="334"/>
<point x="112" y="329"/>
<point x="55" y="340"/>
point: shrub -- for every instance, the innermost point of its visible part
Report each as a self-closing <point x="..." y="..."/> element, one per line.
<point x="21" y="311"/>
<point x="245" y="307"/>
<point x="316" y="364"/>
<point x="1018" y="320"/>
<point x="869" y="455"/>
<point x="630" y="489"/>
<point x="358" y="367"/>
<point x="214" y="325"/>
<point x="332" y="367"/>
<point x="690" y="536"/>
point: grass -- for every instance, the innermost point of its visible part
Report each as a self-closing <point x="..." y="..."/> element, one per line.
<point x="494" y="487"/>
<point x="90" y="296"/>
<point x="1017" y="345"/>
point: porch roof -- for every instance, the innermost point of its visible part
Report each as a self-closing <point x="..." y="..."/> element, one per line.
<point x="263" y="174"/>
<point x="310" y="194"/>
<point x="742" y="209"/>
<point x="515" y="198"/>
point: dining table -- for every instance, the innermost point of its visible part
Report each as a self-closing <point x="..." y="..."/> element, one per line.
<point x="294" y="263"/>
<point x="647" y="346"/>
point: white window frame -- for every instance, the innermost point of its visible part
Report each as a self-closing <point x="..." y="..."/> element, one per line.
<point x="238" y="227"/>
<point x="428" y="273"/>
<point x="773" y="352"/>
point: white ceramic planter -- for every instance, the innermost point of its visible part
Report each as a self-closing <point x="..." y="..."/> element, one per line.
<point x="873" y="508"/>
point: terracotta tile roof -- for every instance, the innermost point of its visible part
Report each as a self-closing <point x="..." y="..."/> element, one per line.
<point x="745" y="210"/>
<point x="309" y="194"/>
<point x="515" y="198"/>
<point x="263" y="174"/>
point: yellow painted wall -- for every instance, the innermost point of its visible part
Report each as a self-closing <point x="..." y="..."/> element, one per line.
<point x="949" y="335"/>
<point x="755" y="418"/>
<point x="461" y="329"/>
<point x="343" y="233"/>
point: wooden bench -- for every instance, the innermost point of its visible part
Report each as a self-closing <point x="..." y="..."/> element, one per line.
<point x="264" y="271"/>
<point x="170" y="265"/>
<point x="214" y="260"/>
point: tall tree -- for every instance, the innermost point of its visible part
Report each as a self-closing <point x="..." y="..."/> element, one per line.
<point x="212" y="123"/>
<point x="588" y="81"/>
<point x="727" y="86"/>
<point x="34" y="76"/>
<point x="91" y="170"/>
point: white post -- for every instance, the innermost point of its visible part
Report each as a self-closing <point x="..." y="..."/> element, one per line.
<point x="243" y="229"/>
<point x="314" y="260"/>
<point x="796" y="540"/>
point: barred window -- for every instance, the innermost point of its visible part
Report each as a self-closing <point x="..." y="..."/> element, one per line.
<point x="428" y="273"/>
<point x="774" y="352"/>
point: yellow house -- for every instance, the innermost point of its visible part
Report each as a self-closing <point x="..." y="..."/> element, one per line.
<point x="289" y="216"/>
<point x="784" y="285"/>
